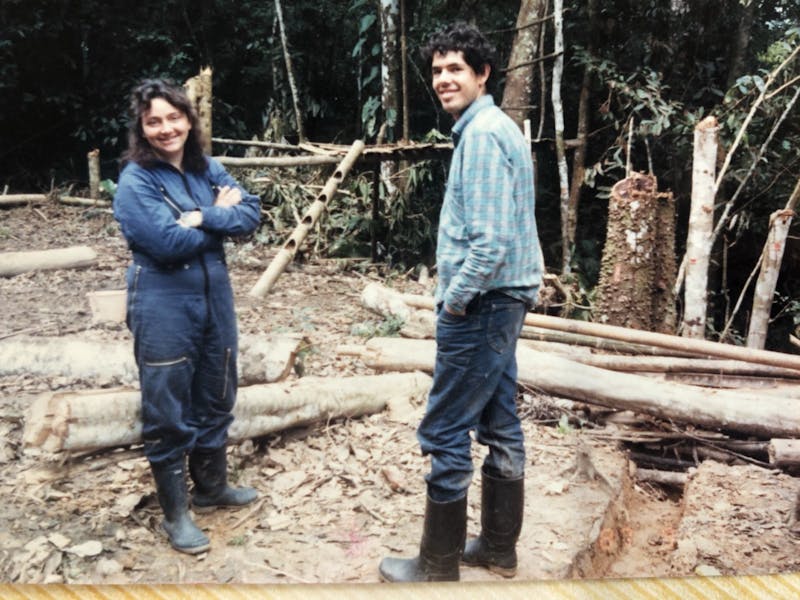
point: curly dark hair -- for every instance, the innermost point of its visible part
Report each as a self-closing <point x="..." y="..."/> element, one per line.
<point x="460" y="36"/>
<point x="139" y="149"/>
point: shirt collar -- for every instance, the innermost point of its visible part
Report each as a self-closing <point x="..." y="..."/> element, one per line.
<point x="473" y="109"/>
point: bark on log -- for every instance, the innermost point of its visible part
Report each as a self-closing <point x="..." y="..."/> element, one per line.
<point x="90" y="420"/>
<point x="262" y="359"/>
<point x="714" y="409"/>
<point x="14" y="263"/>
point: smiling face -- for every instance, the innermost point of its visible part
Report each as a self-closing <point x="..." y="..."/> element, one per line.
<point x="166" y="128"/>
<point x="456" y="83"/>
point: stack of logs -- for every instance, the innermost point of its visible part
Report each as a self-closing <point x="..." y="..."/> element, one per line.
<point x="728" y="402"/>
<point x="694" y="397"/>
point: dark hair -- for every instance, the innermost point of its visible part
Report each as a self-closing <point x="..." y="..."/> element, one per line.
<point x="139" y="149"/>
<point x="478" y="51"/>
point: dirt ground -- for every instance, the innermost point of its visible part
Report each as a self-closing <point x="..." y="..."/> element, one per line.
<point x="337" y="496"/>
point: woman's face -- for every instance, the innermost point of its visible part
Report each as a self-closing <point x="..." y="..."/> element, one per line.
<point x="166" y="129"/>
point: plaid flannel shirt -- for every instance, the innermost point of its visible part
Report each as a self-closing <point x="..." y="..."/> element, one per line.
<point x="487" y="228"/>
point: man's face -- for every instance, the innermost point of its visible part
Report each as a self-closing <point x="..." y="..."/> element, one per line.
<point x="455" y="82"/>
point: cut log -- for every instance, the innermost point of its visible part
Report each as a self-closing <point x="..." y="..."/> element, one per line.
<point x="749" y="413"/>
<point x="17" y="199"/>
<point x="262" y="359"/>
<point x="14" y="263"/>
<point x="671" y="478"/>
<point x="90" y="420"/>
<point x="784" y="454"/>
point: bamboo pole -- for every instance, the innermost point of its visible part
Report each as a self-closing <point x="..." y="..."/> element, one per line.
<point x="286" y="254"/>
<point x="277" y="161"/>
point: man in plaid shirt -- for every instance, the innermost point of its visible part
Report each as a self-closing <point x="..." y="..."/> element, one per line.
<point x="489" y="263"/>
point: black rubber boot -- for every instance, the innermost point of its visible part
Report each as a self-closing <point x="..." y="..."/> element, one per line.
<point x="209" y="471"/>
<point x="183" y="534"/>
<point x="502" y="502"/>
<point x="440" y="549"/>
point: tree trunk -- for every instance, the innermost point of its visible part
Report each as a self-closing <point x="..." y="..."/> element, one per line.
<point x="262" y="359"/>
<point x="287" y="57"/>
<point x="200" y="91"/>
<point x="740" y="42"/>
<point x="558" y="115"/>
<point x="74" y="257"/>
<point x="771" y="258"/>
<point x="701" y="224"/>
<point x="708" y="408"/>
<point x="89" y="420"/>
<point x="520" y="72"/>
<point x="579" y="155"/>
<point x="638" y="264"/>
<point x="390" y="70"/>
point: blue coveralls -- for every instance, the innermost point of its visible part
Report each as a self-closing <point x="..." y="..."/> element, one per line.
<point x="180" y="304"/>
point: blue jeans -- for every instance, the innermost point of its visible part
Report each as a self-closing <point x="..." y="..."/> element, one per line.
<point x="474" y="388"/>
<point x="185" y="341"/>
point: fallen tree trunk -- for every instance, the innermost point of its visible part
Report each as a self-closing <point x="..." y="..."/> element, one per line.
<point x="90" y="420"/>
<point x="710" y="408"/>
<point x="262" y="359"/>
<point x="14" y="263"/>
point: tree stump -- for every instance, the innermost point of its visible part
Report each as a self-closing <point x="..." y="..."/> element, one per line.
<point x="638" y="266"/>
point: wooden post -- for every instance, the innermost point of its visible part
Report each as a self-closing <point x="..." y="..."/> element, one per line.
<point x="701" y="225"/>
<point x="285" y="254"/>
<point x="94" y="173"/>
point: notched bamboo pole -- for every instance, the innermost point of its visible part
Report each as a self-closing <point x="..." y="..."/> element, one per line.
<point x="289" y="249"/>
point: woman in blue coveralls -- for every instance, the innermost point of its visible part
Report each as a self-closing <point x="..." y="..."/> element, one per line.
<point x="175" y="206"/>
